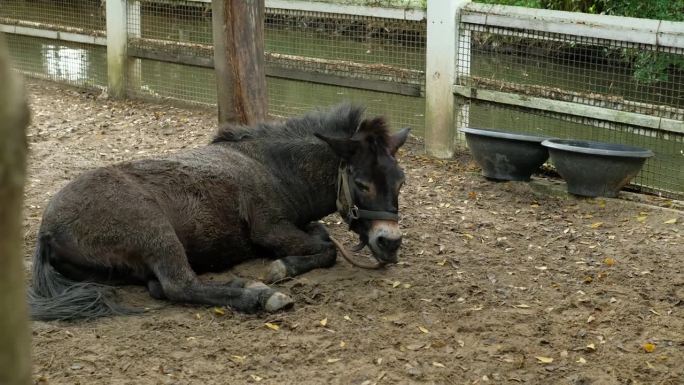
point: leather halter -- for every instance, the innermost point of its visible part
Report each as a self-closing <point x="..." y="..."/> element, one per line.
<point x="350" y="211"/>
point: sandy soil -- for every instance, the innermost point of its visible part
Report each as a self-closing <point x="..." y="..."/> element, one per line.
<point x="499" y="283"/>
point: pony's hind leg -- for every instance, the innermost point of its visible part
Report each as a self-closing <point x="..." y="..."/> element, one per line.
<point x="179" y="283"/>
<point x="157" y="292"/>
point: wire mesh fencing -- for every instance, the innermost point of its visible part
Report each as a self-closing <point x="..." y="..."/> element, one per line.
<point x="170" y="48"/>
<point x="313" y="59"/>
<point x="36" y="50"/>
<point x="74" y="15"/>
<point x="613" y="75"/>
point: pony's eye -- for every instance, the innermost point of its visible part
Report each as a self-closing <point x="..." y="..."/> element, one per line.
<point x="363" y="186"/>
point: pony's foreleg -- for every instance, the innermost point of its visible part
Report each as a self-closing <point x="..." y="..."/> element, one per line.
<point x="303" y="250"/>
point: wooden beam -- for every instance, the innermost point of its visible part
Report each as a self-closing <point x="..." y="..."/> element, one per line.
<point x="15" y="337"/>
<point x="238" y="30"/>
<point x="618" y="28"/>
<point x="52" y="31"/>
<point x="569" y="108"/>
<point x="284" y="72"/>
<point x="343" y="81"/>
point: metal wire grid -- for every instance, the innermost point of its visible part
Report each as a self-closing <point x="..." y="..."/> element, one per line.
<point x="84" y="15"/>
<point x="177" y="20"/>
<point x="168" y="30"/>
<point x="351" y="46"/>
<point x="387" y="46"/>
<point x="292" y="98"/>
<point x="317" y="42"/>
<point x="618" y="75"/>
<point x="637" y="78"/>
<point x="662" y="174"/>
<point x="73" y="63"/>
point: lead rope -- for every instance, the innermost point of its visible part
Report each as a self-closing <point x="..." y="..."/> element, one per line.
<point x="348" y="257"/>
<point x="343" y="190"/>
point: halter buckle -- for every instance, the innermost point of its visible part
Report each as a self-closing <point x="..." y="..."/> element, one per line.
<point x="354" y="212"/>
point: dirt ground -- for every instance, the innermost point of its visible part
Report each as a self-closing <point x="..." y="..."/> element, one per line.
<point x="499" y="283"/>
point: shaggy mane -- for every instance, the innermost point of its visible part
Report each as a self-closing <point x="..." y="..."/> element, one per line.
<point x="339" y="121"/>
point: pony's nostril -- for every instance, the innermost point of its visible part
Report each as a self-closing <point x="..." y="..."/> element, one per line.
<point x="390" y="245"/>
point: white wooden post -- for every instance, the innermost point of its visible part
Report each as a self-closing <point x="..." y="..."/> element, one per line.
<point x="116" y="48"/>
<point x="462" y="105"/>
<point x="442" y="39"/>
<point x="134" y="71"/>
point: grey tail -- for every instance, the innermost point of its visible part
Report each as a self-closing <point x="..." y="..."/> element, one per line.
<point x="53" y="296"/>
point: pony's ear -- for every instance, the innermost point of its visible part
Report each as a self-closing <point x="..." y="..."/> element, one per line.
<point x="397" y="140"/>
<point x="344" y="148"/>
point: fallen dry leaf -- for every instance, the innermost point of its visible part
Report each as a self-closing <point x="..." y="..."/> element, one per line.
<point x="343" y="344"/>
<point x="649" y="347"/>
<point x="438" y="365"/>
<point x="544" y="360"/>
<point x="255" y="377"/>
<point x="323" y="322"/>
<point x="396" y="283"/>
<point x="272" y="326"/>
<point x="347" y="318"/>
<point x="641" y="218"/>
<point x="591" y="347"/>
<point x="414" y="347"/>
<point x="333" y="360"/>
<point x="238" y="359"/>
<point x="596" y="225"/>
<point x="670" y="221"/>
<point x="581" y="360"/>
<point x="522" y="306"/>
<point x="422" y="329"/>
<point x="219" y="311"/>
<point x="609" y="261"/>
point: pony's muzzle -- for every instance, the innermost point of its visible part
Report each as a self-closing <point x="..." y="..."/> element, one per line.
<point x="384" y="239"/>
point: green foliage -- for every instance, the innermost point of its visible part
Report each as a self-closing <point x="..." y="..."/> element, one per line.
<point x="520" y="3"/>
<point x="649" y="9"/>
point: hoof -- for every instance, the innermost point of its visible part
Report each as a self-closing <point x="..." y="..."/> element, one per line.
<point x="256" y="285"/>
<point x="277" y="272"/>
<point x="278" y="301"/>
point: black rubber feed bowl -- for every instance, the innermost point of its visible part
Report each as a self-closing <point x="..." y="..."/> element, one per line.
<point x="506" y="155"/>
<point x="595" y="168"/>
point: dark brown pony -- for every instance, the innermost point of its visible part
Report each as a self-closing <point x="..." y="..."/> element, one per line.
<point x="254" y="191"/>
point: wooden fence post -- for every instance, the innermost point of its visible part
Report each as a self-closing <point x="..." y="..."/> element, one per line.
<point x="238" y="29"/>
<point x="440" y="71"/>
<point x="117" y="42"/>
<point x="15" y="337"/>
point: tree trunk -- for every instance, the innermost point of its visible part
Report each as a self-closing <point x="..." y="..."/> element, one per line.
<point x="15" y="338"/>
<point x="238" y="29"/>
